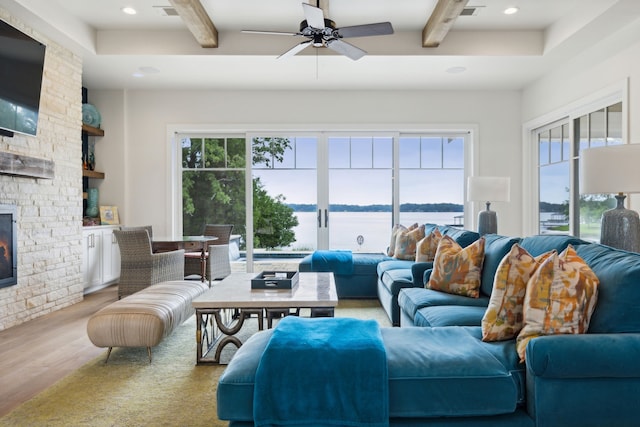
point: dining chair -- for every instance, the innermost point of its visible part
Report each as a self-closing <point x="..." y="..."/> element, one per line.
<point x="140" y="267"/>
<point x="149" y="229"/>
<point x="216" y="257"/>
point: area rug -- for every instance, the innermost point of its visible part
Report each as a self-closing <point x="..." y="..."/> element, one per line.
<point x="130" y="391"/>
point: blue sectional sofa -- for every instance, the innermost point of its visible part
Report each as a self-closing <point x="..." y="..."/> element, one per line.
<point x="441" y="373"/>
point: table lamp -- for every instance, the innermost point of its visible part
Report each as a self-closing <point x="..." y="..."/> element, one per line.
<point x="488" y="189"/>
<point x="614" y="169"/>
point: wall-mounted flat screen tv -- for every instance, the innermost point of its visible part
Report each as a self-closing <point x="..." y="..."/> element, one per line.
<point x="21" y="66"/>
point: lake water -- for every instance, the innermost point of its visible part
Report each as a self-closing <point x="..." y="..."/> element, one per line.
<point x="374" y="227"/>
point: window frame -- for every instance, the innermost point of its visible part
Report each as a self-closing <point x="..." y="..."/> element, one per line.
<point x="613" y="94"/>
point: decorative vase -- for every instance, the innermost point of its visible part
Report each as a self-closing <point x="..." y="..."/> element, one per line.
<point x="92" y="202"/>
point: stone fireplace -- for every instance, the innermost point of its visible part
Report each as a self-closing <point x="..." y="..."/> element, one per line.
<point x="8" y="246"/>
<point x="41" y="182"/>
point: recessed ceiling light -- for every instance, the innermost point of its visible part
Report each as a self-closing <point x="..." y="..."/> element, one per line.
<point x="511" y="10"/>
<point x="456" y="70"/>
<point x="138" y="75"/>
<point x="129" y="10"/>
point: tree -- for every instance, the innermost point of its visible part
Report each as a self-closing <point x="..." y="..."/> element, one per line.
<point x="593" y="205"/>
<point x="217" y="196"/>
<point x="273" y="220"/>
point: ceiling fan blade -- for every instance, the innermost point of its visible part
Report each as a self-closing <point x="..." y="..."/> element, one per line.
<point x="346" y="49"/>
<point x="275" y="33"/>
<point x="297" y="48"/>
<point x="378" y="29"/>
<point x="314" y="16"/>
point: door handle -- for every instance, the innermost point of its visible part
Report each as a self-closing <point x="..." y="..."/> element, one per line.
<point x="326" y="218"/>
<point x="319" y="218"/>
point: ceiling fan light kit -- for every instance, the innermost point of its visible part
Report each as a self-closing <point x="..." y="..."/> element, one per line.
<point x="322" y="32"/>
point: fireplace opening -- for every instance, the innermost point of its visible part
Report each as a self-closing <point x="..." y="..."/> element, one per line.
<point x="8" y="246"/>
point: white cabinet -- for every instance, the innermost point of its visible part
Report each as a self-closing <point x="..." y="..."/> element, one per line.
<point x="110" y="256"/>
<point x="101" y="257"/>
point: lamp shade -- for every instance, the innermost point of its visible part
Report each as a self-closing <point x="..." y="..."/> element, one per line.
<point x="488" y="188"/>
<point x="610" y="169"/>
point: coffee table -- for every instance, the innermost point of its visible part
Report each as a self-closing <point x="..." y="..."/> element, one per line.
<point x="221" y="311"/>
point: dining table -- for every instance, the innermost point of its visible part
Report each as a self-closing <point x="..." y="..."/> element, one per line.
<point x="189" y="244"/>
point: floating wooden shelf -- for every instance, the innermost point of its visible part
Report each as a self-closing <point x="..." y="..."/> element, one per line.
<point x="90" y="130"/>
<point x="93" y="174"/>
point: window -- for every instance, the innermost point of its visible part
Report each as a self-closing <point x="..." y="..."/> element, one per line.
<point x="554" y="176"/>
<point x="432" y="179"/>
<point x="562" y="209"/>
<point x="213" y="182"/>
<point x="596" y="129"/>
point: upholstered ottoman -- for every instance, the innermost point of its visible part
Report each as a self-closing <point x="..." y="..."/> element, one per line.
<point x="144" y="318"/>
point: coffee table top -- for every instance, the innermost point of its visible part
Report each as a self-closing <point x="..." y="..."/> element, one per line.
<point x="313" y="290"/>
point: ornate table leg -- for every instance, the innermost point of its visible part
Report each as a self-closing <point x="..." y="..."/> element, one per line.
<point x="218" y="334"/>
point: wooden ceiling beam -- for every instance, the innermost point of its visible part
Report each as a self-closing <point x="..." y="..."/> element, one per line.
<point x="197" y="20"/>
<point x="441" y="20"/>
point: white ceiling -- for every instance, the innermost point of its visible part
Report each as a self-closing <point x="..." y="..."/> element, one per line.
<point x="497" y="51"/>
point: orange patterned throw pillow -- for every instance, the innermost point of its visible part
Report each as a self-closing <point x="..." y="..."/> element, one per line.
<point x="406" y="242"/>
<point x="394" y="235"/>
<point x="503" y="318"/>
<point x="457" y="270"/>
<point x="560" y="299"/>
<point x="427" y="247"/>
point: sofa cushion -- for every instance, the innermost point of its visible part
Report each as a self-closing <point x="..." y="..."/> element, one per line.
<point x="619" y="289"/>
<point x="449" y="315"/>
<point x="394" y="280"/>
<point x="393" y="264"/>
<point x="503" y="318"/>
<point x="367" y="264"/>
<point x="427" y="247"/>
<point x="406" y="242"/>
<point x="411" y="300"/>
<point x="463" y="237"/>
<point x="457" y="270"/>
<point x="561" y="296"/>
<point x="495" y="249"/>
<point x="446" y="372"/>
<point x="537" y="245"/>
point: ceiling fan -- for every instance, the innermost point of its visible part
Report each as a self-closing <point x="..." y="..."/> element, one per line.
<point x="322" y="32"/>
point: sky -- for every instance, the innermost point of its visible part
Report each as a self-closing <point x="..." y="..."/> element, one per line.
<point x="360" y="171"/>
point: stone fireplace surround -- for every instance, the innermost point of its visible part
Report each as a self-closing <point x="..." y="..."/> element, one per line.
<point x="49" y="211"/>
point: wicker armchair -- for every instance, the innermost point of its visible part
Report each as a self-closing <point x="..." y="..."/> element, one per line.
<point x="139" y="267"/>
<point x="217" y="258"/>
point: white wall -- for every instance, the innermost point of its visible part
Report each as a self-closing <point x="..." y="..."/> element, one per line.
<point x="136" y="147"/>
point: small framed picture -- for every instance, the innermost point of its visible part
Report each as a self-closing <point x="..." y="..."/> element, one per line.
<point x="109" y="215"/>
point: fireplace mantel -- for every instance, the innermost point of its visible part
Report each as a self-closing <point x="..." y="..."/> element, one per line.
<point x="21" y="165"/>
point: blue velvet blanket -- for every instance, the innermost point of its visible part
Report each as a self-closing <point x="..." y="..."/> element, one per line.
<point x="338" y="262"/>
<point x="323" y="372"/>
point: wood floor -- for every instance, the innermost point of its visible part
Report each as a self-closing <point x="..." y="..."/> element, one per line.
<point x="36" y="354"/>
